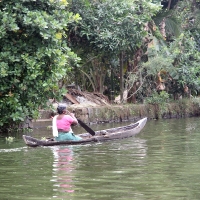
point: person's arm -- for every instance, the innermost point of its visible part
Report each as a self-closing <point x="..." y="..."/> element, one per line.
<point x="75" y="121"/>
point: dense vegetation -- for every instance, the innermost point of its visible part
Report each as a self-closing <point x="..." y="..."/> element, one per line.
<point x="145" y="47"/>
<point x="33" y="56"/>
<point x="142" y="50"/>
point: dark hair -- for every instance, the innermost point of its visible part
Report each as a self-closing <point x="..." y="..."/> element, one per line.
<point x="61" y="108"/>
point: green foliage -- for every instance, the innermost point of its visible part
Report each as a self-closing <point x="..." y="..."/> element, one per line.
<point x="10" y="139"/>
<point x="33" y="56"/>
<point x="186" y="61"/>
<point x="180" y="63"/>
<point x="196" y="102"/>
<point x="111" y="26"/>
<point x="158" y="98"/>
<point x="172" y="22"/>
<point x="107" y="28"/>
<point x="159" y="62"/>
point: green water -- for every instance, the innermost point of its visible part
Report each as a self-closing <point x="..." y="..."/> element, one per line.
<point x="162" y="162"/>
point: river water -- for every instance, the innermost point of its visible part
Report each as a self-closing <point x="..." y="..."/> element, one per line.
<point x="162" y="162"/>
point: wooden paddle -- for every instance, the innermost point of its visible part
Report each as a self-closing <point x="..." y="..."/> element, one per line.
<point x="86" y="127"/>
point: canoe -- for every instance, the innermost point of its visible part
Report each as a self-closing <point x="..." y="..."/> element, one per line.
<point x="100" y="136"/>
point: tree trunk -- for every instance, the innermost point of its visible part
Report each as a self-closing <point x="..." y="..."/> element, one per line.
<point x="194" y="4"/>
<point x="98" y="74"/>
<point x="169" y="4"/>
<point x="133" y="68"/>
<point x="121" y="76"/>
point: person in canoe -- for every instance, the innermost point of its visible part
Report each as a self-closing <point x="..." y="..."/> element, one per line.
<point x="62" y="122"/>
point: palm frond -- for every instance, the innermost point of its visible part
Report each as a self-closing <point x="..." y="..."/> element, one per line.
<point x="172" y="24"/>
<point x="197" y="19"/>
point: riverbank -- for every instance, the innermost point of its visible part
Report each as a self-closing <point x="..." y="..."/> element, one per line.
<point x="131" y="112"/>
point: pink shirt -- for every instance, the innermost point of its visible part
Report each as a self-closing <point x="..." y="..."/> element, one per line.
<point x="65" y="122"/>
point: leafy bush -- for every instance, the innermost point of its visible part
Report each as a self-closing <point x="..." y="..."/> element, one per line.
<point x="158" y="98"/>
<point x="33" y="56"/>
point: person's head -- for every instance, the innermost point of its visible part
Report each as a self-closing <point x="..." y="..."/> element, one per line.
<point x="61" y="109"/>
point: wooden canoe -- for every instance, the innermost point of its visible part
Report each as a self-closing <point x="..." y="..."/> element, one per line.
<point x="100" y="136"/>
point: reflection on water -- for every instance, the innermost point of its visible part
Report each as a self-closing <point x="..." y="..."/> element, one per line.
<point x="162" y="162"/>
<point x="63" y="169"/>
<point x="86" y="172"/>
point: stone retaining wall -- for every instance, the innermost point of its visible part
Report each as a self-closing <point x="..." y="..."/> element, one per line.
<point x="131" y="112"/>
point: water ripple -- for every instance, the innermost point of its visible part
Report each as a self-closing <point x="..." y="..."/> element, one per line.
<point x="13" y="149"/>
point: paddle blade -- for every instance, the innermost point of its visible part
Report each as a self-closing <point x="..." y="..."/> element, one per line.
<point x="87" y="128"/>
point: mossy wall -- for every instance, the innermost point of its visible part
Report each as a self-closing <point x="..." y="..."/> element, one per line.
<point x="132" y="112"/>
